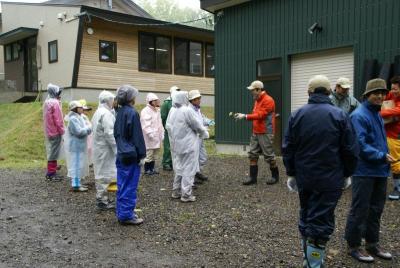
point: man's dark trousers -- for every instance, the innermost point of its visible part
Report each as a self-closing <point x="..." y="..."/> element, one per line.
<point x="317" y="213"/>
<point x="369" y="196"/>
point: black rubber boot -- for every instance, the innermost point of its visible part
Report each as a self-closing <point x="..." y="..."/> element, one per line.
<point x="274" y="176"/>
<point x="252" y="179"/>
<point x="201" y="176"/>
<point x="147" y="170"/>
<point x="152" y="168"/>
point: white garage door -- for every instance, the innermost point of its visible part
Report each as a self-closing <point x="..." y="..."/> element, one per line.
<point x="333" y="63"/>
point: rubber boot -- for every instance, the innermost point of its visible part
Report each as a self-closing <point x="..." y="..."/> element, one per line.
<point x="395" y="194"/>
<point x="147" y="170"/>
<point x="315" y="255"/>
<point x="274" y="175"/>
<point x="252" y="179"/>
<point x="304" y="248"/>
<point x="152" y="167"/>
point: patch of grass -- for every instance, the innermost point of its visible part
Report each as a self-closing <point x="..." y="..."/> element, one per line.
<point x="22" y="141"/>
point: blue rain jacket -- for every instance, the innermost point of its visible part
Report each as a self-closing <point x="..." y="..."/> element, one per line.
<point x="128" y="135"/>
<point x="320" y="147"/>
<point x="372" y="140"/>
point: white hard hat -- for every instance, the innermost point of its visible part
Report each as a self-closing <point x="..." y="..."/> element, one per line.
<point x="151" y="97"/>
<point x="318" y="81"/>
<point x="74" y="104"/>
<point x="194" y="94"/>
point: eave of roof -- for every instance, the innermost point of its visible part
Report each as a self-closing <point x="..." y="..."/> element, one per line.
<point x="130" y="19"/>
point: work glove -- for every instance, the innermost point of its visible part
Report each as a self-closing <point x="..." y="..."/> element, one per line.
<point x="206" y="135"/>
<point x="291" y="184"/>
<point x="239" y="116"/>
<point x="141" y="162"/>
<point x="347" y="183"/>
<point x="211" y="123"/>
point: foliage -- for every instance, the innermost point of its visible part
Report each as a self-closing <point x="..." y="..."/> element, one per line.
<point x="169" y="10"/>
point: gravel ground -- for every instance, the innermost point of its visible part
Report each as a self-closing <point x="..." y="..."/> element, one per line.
<point x="45" y="225"/>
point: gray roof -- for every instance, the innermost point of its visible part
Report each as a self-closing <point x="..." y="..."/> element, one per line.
<point x="135" y="9"/>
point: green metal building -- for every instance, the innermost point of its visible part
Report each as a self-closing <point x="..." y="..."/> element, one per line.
<point x="285" y="42"/>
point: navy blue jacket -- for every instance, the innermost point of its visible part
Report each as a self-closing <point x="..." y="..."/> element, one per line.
<point x="372" y="140"/>
<point x="128" y="134"/>
<point x="320" y="147"/>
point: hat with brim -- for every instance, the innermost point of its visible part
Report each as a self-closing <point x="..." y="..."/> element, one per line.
<point x="343" y="82"/>
<point x="194" y="94"/>
<point x="74" y="104"/>
<point x="256" y="85"/>
<point x="375" y="85"/>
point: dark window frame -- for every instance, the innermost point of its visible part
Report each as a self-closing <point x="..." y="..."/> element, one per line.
<point x="188" y="57"/>
<point x="49" y="44"/>
<point x="12" y="50"/>
<point x="206" y="73"/>
<point x="154" y="35"/>
<point x="112" y="60"/>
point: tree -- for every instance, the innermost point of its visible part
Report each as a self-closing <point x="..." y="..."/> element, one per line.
<point x="169" y="10"/>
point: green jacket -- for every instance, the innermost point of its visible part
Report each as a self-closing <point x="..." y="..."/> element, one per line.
<point x="165" y="107"/>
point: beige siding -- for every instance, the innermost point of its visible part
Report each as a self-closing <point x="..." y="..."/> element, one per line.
<point x="96" y="74"/>
<point x="25" y="15"/>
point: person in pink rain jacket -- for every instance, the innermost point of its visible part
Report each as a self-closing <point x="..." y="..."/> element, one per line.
<point x="53" y="129"/>
<point x="153" y="132"/>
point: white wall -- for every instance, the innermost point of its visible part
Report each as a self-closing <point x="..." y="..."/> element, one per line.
<point x="21" y="15"/>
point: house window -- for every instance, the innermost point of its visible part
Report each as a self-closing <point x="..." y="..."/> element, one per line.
<point x="154" y="53"/>
<point x="53" y="51"/>
<point x="8" y="53"/>
<point x="107" y="51"/>
<point x="210" y="66"/>
<point x="188" y="57"/>
<point x="15" y="51"/>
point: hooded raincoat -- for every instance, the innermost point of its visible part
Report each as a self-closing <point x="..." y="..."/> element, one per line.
<point x="104" y="146"/>
<point x="153" y="131"/>
<point x="76" y="148"/>
<point x="184" y="130"/>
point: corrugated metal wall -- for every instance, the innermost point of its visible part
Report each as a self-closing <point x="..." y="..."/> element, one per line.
<point x="263" y="29"/>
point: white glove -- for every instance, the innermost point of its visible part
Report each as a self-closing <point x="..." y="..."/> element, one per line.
<point x="141" y="163"/>
<point x="291" y="184"/>
<point x="347" y="183"/>
<point x="239" y="116"/>
<point x="206" y="135"/>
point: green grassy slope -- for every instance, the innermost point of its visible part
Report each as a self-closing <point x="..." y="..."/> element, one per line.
<point x="21" y="134"/>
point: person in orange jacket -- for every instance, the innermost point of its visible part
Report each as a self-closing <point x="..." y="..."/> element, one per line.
<point x="393" y="134"/>
<point x="261" y="141"/>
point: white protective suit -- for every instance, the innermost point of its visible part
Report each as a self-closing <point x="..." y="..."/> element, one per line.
<point x="202" y="120"/>
<point x="104" y="146"/>
<point x="184" y="131"/>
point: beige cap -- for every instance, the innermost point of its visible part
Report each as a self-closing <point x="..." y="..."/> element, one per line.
<point x="318" y="81"/>
<point x="194" y="94"/>
<point x="256" y="85"/>
<point x="374" y="85"/>
<point x="343" y="82"/>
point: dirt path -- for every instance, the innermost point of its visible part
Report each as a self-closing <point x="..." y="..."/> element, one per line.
<point x="45" y="225"/>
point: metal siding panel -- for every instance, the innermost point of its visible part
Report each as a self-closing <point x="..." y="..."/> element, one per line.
<point x="262" y="29"/>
